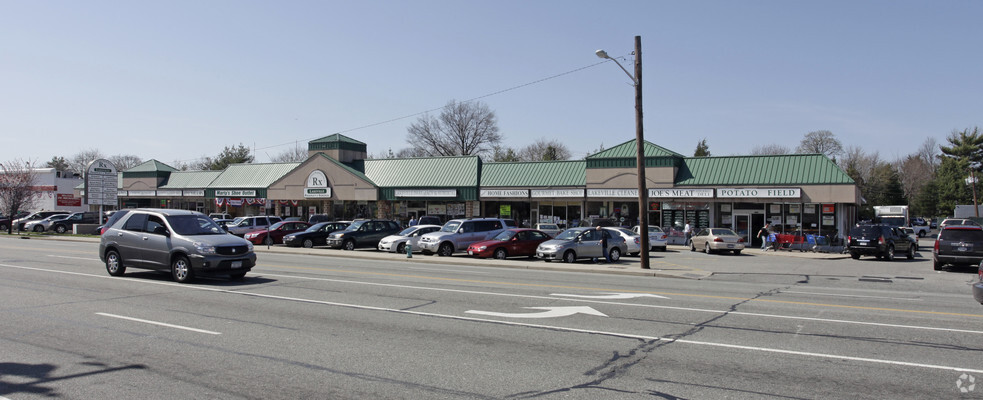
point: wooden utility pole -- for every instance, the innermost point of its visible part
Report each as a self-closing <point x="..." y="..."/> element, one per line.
<point x="643" y="210"/>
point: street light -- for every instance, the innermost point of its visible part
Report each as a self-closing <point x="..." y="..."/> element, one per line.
<point x="636" y="79"/>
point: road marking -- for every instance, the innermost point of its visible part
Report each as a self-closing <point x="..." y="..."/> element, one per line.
<point x="551" y="312"/>
<point x="446" y="270"/>
<point x="76" y="258"/>
<point x="852" y="295"/>
<point x="158" y="323"/>
<point x="512" y="323"/>
<point x="610" y="296"/>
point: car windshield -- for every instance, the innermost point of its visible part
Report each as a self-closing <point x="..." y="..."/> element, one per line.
<point x="505" y="235"/>
<point x="355" y="225"/>
<point x="569" y="234"/>
<point x="277" y="225"/>
<point x="191" y="225"/>
<point x="451" y="226"/>
<point x="407" y="231"/>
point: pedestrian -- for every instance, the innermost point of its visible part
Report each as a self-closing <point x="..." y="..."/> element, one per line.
<point x="604" y="244"/>
<point x="413" y="220"/>
<point x="688" y="230"/>
<point x="763" y="235"/>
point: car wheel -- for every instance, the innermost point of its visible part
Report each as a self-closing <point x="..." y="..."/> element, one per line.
<point x="268" y="241"/>
<point x="937" y="265"/>
<point x="890" y="254"/>
<point x="445" y="250"/>
<point x="61" y="229"/>
<point x="663" y="248"/>
<point x="706" y="249"/>
<point x="614" y="254"/>
<point x="401" y="248"/>
<point x="911" y="252"/>
<point x="349" y="245"/>
<point x="308" y="243"/>
<point x="3" y="227"/>
<point x="855" y="256"/>
<point x="181" y="270"/>
<point x="114" y="264"/>
<point x="38" y="228"/>
<point x="501" y="254"/>
<point x="634" y="254"/>
<point x="569" y="257"/>
<point x="692" y="247"/>
<point x="237" y="276"/>
<point x="737" y="252"/>
<point x="921" y="234"/>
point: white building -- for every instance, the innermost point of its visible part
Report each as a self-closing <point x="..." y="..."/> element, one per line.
<point x="57" y="191"/>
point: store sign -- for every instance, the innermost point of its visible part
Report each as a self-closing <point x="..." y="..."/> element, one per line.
<point x="193" y="193"/>
<point x="760" y="193"/>
<point x="612" y="192"/>
<point x="68" y="200"/>
<point x="426" y="192"/>
<point x="233" y="193"/>
<point x="101" y="183"/>
<point x="829" y="208"/>
<point x="143" y="193"/>
<point x="169" y="193"/>
<point x="556" y="193"/>
<point x="523" y="193"/>
<point x="317" y="193"/>
<point x="681" y="193"/>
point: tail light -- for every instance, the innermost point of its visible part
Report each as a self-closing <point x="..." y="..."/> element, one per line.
<point x="936" y="249"/>
<point x="880" y="240"/>
<point x="741" y="240"/>
<point x="718" y="239"/>
<point x="849" y="239"/>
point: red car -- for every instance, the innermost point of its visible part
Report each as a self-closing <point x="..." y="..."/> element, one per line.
<point x="509" y="243"/>
<point x="277" y="232"/>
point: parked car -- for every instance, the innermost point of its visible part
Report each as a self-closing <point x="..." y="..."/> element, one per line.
<point x="978" y="286"/>
<point x="583" y="242"/>
<point x="38" y="215"/>
<point x="912" y="237"/>
<point x="411" y="236"/>
<point x="363" y="233"/>
<point x="275" y="233"/>
<point x="184" y="243"/>
<point x="249" y="224"/>
<point x="458" y="234"/>
<point x="958" y="245"/>
<point x="957" y="221"/>
<point x="5" y="223"/>
<point x="41" y="225"/>
<point x="316" y="235"/>
<point x="550" y="229"/>
<point x="319" y="218"/>
<point x="509" y="243"/>
<point x="217" y="216"/>
<point x="881" y="241"/>
<point x="716" y="239"/>
<point x="66" y="224"/>
<point x="430" y="220"/>
<point x="658" y="238"/>
<point x="632" y="240"/>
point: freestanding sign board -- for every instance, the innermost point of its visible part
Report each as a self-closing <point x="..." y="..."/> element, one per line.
<point x="101" y="184"/>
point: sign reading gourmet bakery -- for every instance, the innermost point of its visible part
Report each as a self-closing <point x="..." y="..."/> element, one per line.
<point x="317" y="186"/>
<point x="235" y="193"/>
<point x="426" y="192"/>
<point x="541" y="193"/>
<point x="523" y="193"/>
<point x="760" y="193"/>
<point x="680" y="193"/>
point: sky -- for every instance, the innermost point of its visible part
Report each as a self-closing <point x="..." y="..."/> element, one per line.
<point x="178" y="80"/>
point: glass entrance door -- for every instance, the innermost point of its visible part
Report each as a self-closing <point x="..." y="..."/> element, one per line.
<point x="742" y="226"/>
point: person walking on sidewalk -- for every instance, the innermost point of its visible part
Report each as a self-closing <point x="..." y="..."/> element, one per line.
<point x="688" y="231"/>
<point x="763" y="235"/>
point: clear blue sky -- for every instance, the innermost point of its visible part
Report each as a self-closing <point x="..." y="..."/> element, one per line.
<point x="177" y="80"/>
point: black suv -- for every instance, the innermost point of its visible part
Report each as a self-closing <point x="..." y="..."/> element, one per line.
<point x="881" y="241"/>
<point x="958" y="245"/>
<point x="65" y="225"/>
<point x="363" y="233"/>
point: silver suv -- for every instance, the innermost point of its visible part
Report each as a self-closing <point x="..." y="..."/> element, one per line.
<point x="458" y="234"/>
<point x="185" y="243"/>
<point x="244" y="225"/>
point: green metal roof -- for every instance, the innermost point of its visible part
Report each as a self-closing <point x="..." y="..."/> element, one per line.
<point x="428" y="172"/>
<point x="251" y="176"/>
<point x="336" y="142"/>
<point x="336" y="138"/>
<point x="345" y="167"/>
<point x="790" y="169"/>
<point x="190" y="179"/>
<point x="152" y="165"/>
<point x="628" y="150"/>
<point x="534" y="174"/>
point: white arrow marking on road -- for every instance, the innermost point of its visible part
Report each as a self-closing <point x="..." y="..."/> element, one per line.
<point x="611" y="296"/>
<point x="551" y="312"/>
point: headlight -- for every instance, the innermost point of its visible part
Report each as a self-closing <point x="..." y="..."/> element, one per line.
<point x="205" y="248"/>
<point x="482" y="248"/>
<point x="249" y="246"/>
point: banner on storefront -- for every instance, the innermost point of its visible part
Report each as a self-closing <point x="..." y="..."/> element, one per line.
<point x="235" y="193"/>
<point x="235" y="202"/>
<point x="760" y="193"/>
<point x="518" y="193"/>
<point x="219" y="202"/>
<point x="680" y="193"/>
<point x="436" y="209"/>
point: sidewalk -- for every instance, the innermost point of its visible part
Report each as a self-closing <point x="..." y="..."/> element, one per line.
<point x="625" y="266"/>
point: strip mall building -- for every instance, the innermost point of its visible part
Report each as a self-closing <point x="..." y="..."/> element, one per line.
<point x="804" y="193"/>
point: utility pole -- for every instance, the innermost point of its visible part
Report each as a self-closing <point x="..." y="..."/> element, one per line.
<point x="643" y="210"/>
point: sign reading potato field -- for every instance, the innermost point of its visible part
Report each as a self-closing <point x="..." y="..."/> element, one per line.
<point x="101" y="183"/>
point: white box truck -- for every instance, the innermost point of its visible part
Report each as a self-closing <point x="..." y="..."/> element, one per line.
<point x="898" y="216"/>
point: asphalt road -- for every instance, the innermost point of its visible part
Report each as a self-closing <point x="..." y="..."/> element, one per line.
<point x="303" y="326"/>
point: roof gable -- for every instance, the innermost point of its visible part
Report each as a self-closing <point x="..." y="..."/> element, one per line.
<point x="150" y="166"/>
<point x="790" y="169"/>
<point x="629" y="150"/>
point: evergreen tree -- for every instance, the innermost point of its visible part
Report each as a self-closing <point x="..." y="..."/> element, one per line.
<point x="702" y="149"/>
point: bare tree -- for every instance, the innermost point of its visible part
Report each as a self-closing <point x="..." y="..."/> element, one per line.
<point x="929" y="152"/>
<point x="124" y="162"/>
<point x="770" y="149"/>
<point x="544" y="150"/>
<point x="913" y="173"/>
<point x="294" y="154"/>
<point x="462" y="129"/>
<point x="18" y="188"/>
<point x="81" y="160"/>
<point x="822" y="142"/>
<point x="410" y="152"/>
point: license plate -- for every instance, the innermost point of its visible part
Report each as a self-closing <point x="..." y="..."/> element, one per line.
<point x="470" y="253"/>
<point x="539" y="254"/>
<point x="730" y="246"/>
<point x="237" y="264"/>
<point x="962" y="248"/>
<point x="863" y="242"/>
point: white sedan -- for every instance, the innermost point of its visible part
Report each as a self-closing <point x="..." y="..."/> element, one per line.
<point x="397" y="243"/>
<point x="658" y="239"/>
<point x="631" y="239"/>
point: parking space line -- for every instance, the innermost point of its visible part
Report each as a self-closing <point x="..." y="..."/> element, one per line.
<point x="145" y="321"/>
